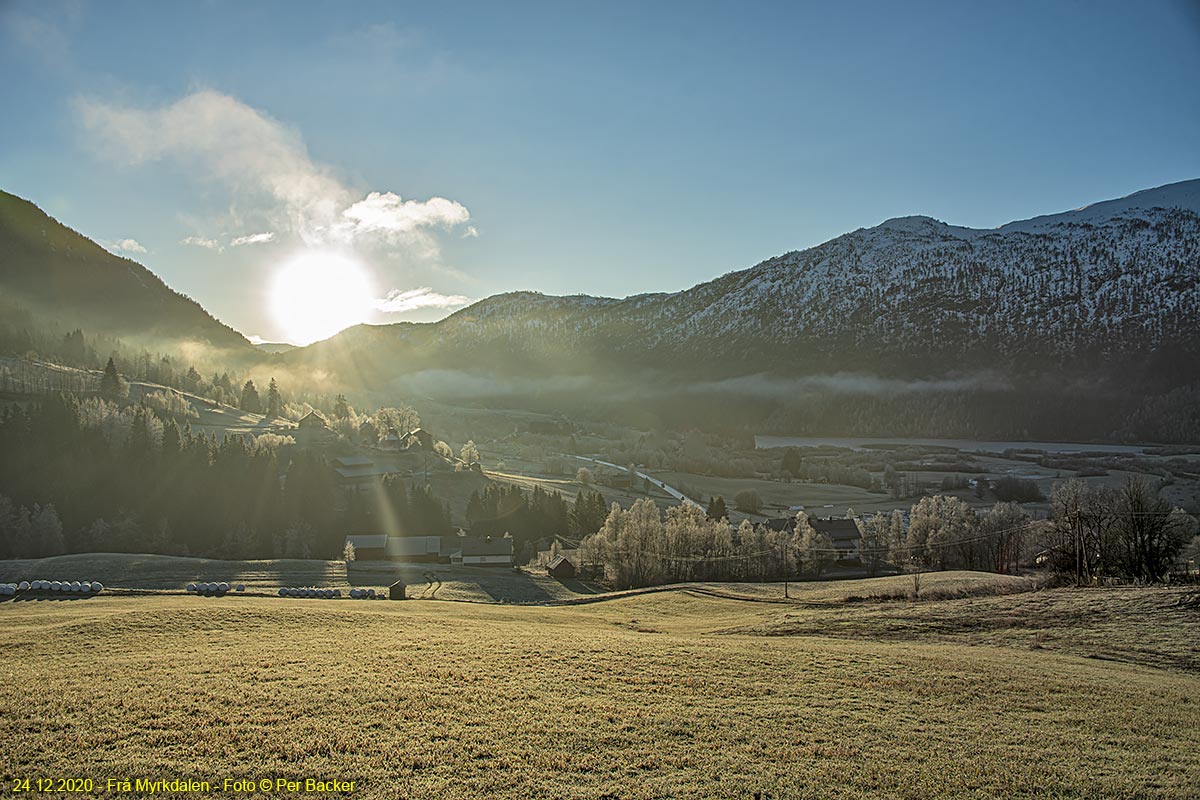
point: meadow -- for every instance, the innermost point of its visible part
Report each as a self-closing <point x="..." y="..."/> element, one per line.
<point x="1049" y="693"/>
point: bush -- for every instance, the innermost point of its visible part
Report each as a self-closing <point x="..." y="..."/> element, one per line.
<point x="748" y="501"/>
<point x="1016" y="490"/>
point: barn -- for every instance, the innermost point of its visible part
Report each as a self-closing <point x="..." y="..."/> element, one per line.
<point x="368" y="548"/>
<point x="843" y="532"/>
<point x="489" y="552"/>
<point x="560" y="567"/>
<point x="419" y="549"/>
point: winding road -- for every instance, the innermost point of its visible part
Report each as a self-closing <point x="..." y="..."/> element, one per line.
<point x="678" y="495"/>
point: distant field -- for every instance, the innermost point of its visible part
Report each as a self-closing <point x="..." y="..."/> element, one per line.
<point x="1042" y="694"/>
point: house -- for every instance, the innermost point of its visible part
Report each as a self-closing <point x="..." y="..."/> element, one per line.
<point x="368" y="548"/>
<point x="390" y="440"/>
<point x="355" y="471"/>
<point x="844" y="533"/>
<point x="313" y="430"/>
<point x="367" y="434"/>
<point x="560" y="567"/>
<point x="419" y="439"/>
<point x="489" y="552"/>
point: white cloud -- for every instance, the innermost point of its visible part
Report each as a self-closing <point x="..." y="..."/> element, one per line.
<point x="124" y="246"/>
<point x="254" y="238"/>
<point x="470" y="233"/>
<point x="199" y="241"/>
<point x="398" y="300"/>
<point x="267" y="167"/>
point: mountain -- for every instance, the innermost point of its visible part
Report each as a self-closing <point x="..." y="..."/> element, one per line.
<point x="65" y="281"/>
<point x="1097" y="301"/>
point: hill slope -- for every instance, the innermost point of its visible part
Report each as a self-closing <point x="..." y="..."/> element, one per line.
<point x="61" y="275"/>
<point x="1100" y="297"/>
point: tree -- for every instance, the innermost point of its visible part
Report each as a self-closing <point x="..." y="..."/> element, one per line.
<point x="814" y="550"/>
<point x="403" y="419"/>
<point x="938" y="524"/>
<point x="1002" y="531"/>
<point x="341" y="408"/>
<point x="348" y="554"/>
<point x="443" y="450"/>
<point x="792" y="462"/>
<point x="274" y="403"/>
<point x="748" y="501"/>
<point x="469" y="452"/>
<point x="1149" y="533"/>
<point x="250" y="400"/>
<point x="716" y="508"/>
<point x="112" y="385"/>
<point x="584" y="476"/>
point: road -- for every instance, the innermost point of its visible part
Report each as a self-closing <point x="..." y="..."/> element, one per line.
<point x="678" y="495"/>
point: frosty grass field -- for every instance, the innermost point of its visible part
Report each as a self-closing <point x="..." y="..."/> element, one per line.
<point x="1051" y="693"/>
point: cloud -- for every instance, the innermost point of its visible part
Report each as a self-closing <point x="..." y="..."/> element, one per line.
<point x="254" y="238"/>
<point x="470" y="233"/>
<point x="398" y="301"/>
<point x="266" y="165"/>
<point x="124" y="246"/>
<point x="199" y="241"/>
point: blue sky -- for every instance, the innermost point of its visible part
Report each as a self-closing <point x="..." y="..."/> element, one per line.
<point x="607" y="148"/>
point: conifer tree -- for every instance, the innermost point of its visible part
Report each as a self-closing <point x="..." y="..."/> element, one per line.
<point x="274" y="405"/>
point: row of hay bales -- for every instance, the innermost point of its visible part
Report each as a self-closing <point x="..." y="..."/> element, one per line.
<point x="64" y="587"/>
<point x="214" y="589"/>
<point x="366" y="594"/>
<point x="309" y="591"/>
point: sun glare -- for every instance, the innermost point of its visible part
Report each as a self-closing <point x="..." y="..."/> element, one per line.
<point x="318" y="294"/>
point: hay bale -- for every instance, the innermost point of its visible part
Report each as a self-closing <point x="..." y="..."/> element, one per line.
<point x="282" y="592"/>
<point x="222" y="587"/>
<point x="371" y="593"/>
<point x="75" y="586"/>
<point x="191" y="588"/>
<point x="337" y="593"/>
<point x="97" y="587"/>
<point x="241" y="587"/>
<point x="24" y="586"/>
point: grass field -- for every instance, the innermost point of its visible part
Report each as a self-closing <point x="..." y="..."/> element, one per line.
<point x="1063" y="693"/>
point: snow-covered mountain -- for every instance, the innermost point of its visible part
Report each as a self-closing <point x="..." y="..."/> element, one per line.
<point x="1109" y="292"/>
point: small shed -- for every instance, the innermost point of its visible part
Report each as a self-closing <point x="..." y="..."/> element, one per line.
<point x="396" y="591"/>
<point x="561" y="567"/>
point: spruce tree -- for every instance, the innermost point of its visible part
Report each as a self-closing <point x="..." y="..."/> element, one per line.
<point x="250" y="399"/>
<point x="716" y="508"/>
<point x="274" y="404"/>
<point x="111" y="385"/>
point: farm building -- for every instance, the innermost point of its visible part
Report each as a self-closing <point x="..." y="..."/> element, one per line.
<point x="561" y="567"/>
<point x="356" y="471"/>
<point x="368" y="548"/>
<point x="489" y="552"/>
<point x="419" y="439"/>
<point x="390" y="440"/>
<point x="313" y="431"/>
<point x="844" y="533"/>
<point x="422" y="549"/>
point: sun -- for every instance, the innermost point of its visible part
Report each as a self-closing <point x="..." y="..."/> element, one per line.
<point x="315" y="295"/>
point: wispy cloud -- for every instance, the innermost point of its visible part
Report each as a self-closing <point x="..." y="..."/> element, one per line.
<point x="254" y="238"/>
<point x="200" y="241"/>
<point x="398" y="300"/>
<point x="470" y="233"/>
<point x="267" y="166"/>
<point x="123" y="246"/>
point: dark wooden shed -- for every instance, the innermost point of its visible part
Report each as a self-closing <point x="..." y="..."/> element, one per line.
<point x="561" y="567"/>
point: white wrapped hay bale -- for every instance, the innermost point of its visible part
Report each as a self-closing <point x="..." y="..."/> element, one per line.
<point x="76" y="586"/>
<point x="283" y="592"/>
<point x="191" y="588"/>
<point x="222" y="587"/>
<point x="97" y="587"/>
<point x="23" y="586"/>
<point x="241" y="587"/>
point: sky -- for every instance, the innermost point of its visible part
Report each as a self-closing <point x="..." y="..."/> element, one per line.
<point x="401" y="160"/>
